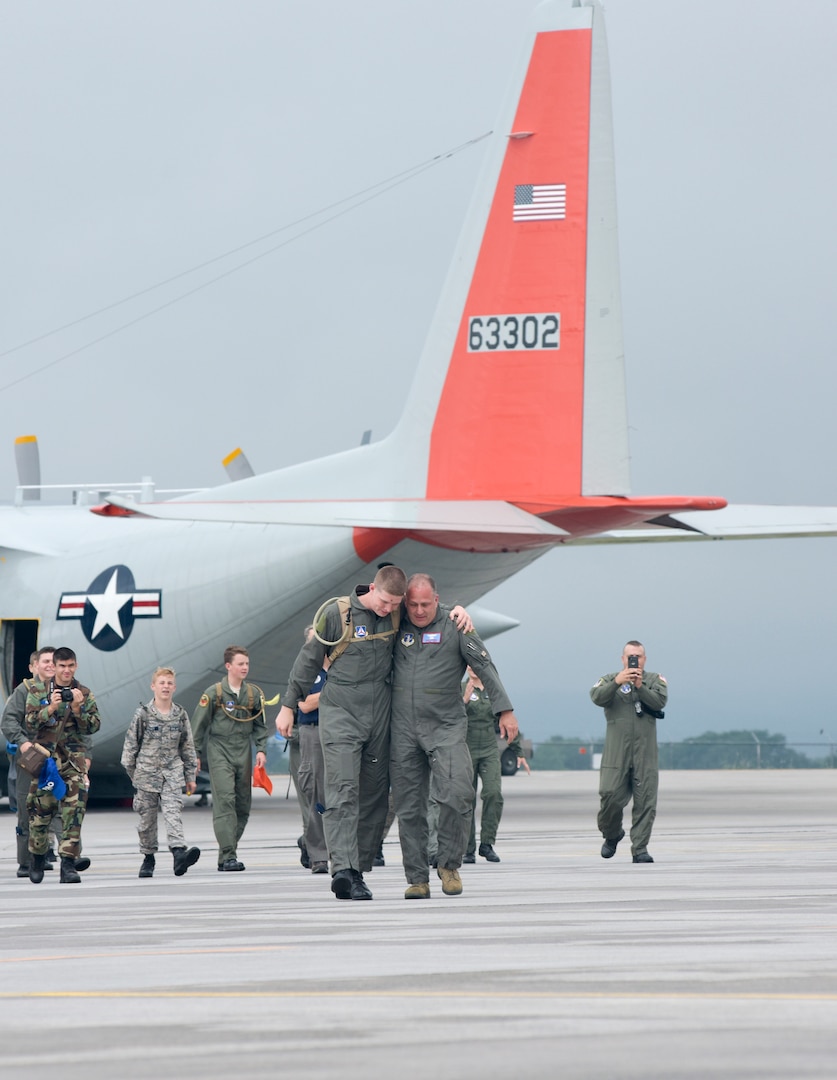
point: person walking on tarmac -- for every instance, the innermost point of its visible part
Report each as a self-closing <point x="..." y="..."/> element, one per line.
<point x="485" y="758"/>
<point x="228" y="720"/>
<point x="354" y="723"/>
<point x="632" y="699"/>
<point x="159" y="756"/>
<point x="60" y="717"/>
<point x="429" y="734"/>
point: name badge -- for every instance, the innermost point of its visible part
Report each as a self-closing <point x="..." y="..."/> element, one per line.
<point x="432" y="639"/>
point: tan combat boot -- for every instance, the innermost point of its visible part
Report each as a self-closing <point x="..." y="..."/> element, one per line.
<point x="451" y="881"/>
<point x="419" y="891"/>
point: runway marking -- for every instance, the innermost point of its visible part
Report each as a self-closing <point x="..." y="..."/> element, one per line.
<point x="522" y="995"/>
<point x="136" y="953"/>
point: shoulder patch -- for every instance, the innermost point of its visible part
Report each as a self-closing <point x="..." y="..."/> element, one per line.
<point x="599" y="683"/>
<point x="662" y="679"/>
<point x="204" y="701"/>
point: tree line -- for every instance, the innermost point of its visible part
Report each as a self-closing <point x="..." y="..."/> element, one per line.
<point x="748" y="749"/>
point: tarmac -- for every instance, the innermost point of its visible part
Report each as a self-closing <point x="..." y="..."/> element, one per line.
<point x="719" y="960"/>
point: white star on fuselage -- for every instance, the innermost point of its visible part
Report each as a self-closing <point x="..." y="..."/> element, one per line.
<point x="108" y="606"/>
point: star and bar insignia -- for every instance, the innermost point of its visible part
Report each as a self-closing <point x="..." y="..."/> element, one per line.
<point x="110" y="605"/>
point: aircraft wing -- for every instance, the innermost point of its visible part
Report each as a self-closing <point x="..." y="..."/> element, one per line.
<point x="409" y="515"/>
<point x="733" y="522"/>
<point x="501" y="521"/>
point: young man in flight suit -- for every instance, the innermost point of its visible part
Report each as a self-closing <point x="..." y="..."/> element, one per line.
<point x="631" y="698"/>
<point x="228" y="720"/>
<point x="354" y="725"/>
<point x="429" y="734"/>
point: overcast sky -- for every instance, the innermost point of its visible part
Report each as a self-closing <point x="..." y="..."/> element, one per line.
<point x="139" y="140"/>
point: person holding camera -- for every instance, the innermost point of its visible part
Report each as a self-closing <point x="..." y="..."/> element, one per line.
<point x="60" y="717"/>
<point x="42" y="669"/>
<point x="632" y="699"/>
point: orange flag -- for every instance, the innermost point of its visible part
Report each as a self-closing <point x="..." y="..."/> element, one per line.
<point x="261" y="779"/>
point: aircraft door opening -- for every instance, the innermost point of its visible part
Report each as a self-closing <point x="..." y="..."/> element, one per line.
<point x="18" y="640"/>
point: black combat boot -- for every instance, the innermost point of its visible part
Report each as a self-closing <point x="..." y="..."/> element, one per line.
<point x="487" y="852"/>
<point x="69" y="874"/>
<point x="147" y="868"/>
<point x="183" y="859"/>
<point x="36" y="868"/>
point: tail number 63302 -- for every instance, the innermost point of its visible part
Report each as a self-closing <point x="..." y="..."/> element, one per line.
<point x="514" y="333"/>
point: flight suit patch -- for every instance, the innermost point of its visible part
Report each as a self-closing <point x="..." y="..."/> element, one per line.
<point x="432" y="638"/>
<point x="407" y="640"/>
<point x="204" y="701"/>
<point x="361" y="632"/>
<point x="625" y="688"/>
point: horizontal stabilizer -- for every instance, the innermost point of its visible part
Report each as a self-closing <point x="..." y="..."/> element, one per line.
<point x="734" y="522"/>
<point x="409" y="515"/>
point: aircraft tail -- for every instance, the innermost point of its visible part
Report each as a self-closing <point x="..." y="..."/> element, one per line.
<point x="523" y="371"/>
<point x="519" y="394"/>
<point x="518" y="405"/>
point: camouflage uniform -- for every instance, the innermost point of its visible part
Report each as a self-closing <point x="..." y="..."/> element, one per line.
<point x="66" y="737"/>
<point x="224" y="728"/>
<point x="429" y="737"/>
<point x="629" y="761"/>
<point x="13" y="728"/>
<point x="159" y="756"/>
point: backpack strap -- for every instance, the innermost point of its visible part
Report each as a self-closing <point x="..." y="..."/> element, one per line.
<point x="344" y="607"/>
<point x="143" y="710"/>
<point x="254" y="712"/>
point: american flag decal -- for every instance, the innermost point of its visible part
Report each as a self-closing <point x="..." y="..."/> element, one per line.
<point x="540" y="202"/>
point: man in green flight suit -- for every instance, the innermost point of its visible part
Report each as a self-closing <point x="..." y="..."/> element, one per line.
<point x="632" y="699"/>
<point x="429" y="734"/>
<point x="482" y="746"/>
<point x="228" y="720"/>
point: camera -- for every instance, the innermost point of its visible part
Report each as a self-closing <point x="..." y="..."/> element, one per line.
<point x="633" y="661"/>
<point x="66" y="692"/>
